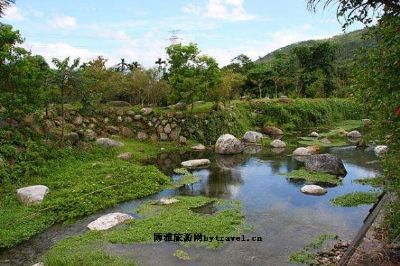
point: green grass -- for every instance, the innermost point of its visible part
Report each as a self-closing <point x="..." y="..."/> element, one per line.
<point x="175" y="218"/>
<point x="313" y="177"/>
<point x="309" y="252"/>
<point x="374" y="182"/>
<point x="310" y="141"/>
<point x="81" y="183"/>
<point x="355" y="199"/>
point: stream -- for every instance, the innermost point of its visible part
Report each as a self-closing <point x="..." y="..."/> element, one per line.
<point x="285" y="218"/>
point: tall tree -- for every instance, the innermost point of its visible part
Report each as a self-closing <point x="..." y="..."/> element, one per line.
<point x="65" y="78"/>
<point x="4" y="4"/>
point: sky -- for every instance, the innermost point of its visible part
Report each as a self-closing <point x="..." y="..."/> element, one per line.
<point x="140" y="30"/>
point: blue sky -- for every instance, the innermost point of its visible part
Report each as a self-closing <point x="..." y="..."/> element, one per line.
<point x="140" y="30"/>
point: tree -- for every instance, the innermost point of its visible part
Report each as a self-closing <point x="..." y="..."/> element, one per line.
<point x="229" y="85"/>
<point x="259" y="75"/>
<point x="65" y="78"/>
<point x="359" y="10"/>
<point x="4" y="4"/>
<point x="190" y="74"/>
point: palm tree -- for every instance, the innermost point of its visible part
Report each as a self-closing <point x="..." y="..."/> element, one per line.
<point x="4" y="4"/>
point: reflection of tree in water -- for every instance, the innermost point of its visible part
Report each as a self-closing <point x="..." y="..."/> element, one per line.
<point x="224" y="179"/>
<point x="357" y="156"/>
<point x="284" y="164"/>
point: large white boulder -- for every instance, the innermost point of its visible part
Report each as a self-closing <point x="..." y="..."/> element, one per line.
<point x="313" y="190"/>
<point x="252" y="137"/>
<point x="278" y="144"/>
<point x="228" y="144"/>
<point x="302" y="152"/>
<point x="196" y="163"/>
<point x="106" y="142"/>
<point x="381" y="150"/>
<point x="108" y="221"/>
<point x="32" y="195"/>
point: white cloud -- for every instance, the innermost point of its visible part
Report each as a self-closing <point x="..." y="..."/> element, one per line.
<point x="232" y="10"/>
<point x="60" y="50"/>
<point x="63" y="22"/>
<point x="12" y="13"/>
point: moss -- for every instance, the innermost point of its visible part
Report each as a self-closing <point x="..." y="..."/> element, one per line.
<point x="355" y="199"/>
<point x="182" y="255"/>
<point x="349" y="125"/>
<point x="309" y="252"/>
<point x="175" y="218"/>
<point x="186" y="180"/>
<point x="313" y="177"/>
<point x="81" y="183"/>
<point x="374" y="182"/>
<point x="309" y="141"/>
<point x="181" y="171"/>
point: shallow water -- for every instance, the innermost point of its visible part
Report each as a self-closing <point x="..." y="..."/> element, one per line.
<point x="284" y="217"/>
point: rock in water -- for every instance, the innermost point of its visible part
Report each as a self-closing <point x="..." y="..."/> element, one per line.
<point x="278" y="144"/>
<point x="381" y="150"/>
<point x="106" y="142"/>
<point x="167" y="201"/>
<point x="301" y="152"/>
<point x="354" y="134"/>
<point x="313" y="190"/>
<point x="325" y="163"/>
<point x="32" y="195"/>
<point x="252" y="137"/>
<point x="228" y="144"/>
<point x="108" y="221"/>
<point x="196" y="163"/>
<point x="199" y="147"/>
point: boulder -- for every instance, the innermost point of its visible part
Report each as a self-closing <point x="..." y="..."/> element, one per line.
<point x="272" y="131"/>
<point x="125" y="156"/>
<point x="278" y="144"/>
<point x="167" y="201"/>
<point x="108" y="221"/>
<point x="313" y="190"/>
<point x="141" y="135"/>
<point x="199" y="147"/>
<point x="146" y="111"/>
<point x="381" y="150"/>
<point x="196" y="163"/>
<point x="252" y="137"/>
<point x="325" y="163"/>
<point x="354" y="134"/>
<point x="106" y="142"/>
<point x="314" y="134"/>
<point x="32" y="195"/>
<point x="228" y="144"/>
<point x="301" y="152"/>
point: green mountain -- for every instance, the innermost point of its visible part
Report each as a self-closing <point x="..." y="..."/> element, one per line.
<point x="347" y="44"/>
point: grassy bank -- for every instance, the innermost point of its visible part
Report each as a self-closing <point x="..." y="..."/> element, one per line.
<point x="80" y="183"/>
<point x="177" y="218"/>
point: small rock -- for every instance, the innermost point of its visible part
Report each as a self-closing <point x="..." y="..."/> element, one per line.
<point x="354" y="134"/>
<point x="32" y="195"/>
<point x="128" y="119"/>
<point x="146" y="111"/>
<point x="167" y="201"/>
<point x="89" y="134"/>
<point x="106" y="142"/>
<point x="272" y="131"/>
<point x="142" y="136"/>
<point x="78" y="120"/>
<point x="108" y="221"/>
<point x="301" y="152"/>
<point x="381" y="150"/>
<point x="326" y="141"/>
<point x="126" y="132"/>
<point x="313" y="190"/>
<point x="137" y="117"/>
<point x="112" y="129"/>
<point x="199" y="147"/>
<point x="167" y="129"/>
<point x="163" y="136"/>
<point x="73" y="137"/>
<point x="182" y="140"/>
<point x="196" y="163"/>
<point x="130" y="113"/>
<point x="314" y="149"/>
<point x="252" y="137"/>
<point x="314" y="134"/>
<point x="278" y="144"/>
<point x="125" y="156"/>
